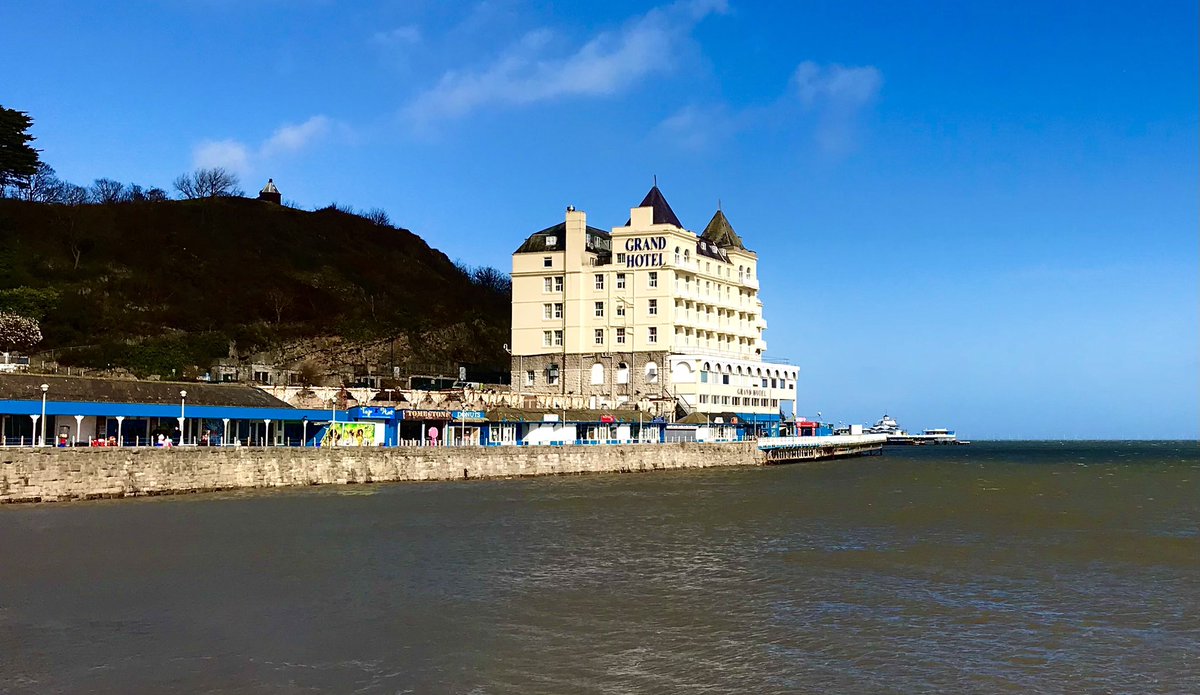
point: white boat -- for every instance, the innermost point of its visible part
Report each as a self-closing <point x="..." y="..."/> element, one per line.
<point x="895" y="435"/>
<point x="937" y="435"/>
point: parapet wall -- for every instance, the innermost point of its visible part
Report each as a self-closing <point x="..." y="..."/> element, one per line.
<point x="45" y="475"/>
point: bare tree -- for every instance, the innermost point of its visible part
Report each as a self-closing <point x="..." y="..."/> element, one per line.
<point x="156" y="195"/>
<point x="43" y="186"/>
<point x="216" y="182"/>
<point x="280" y="301"/>
<point x="107" y="191"/>
<point x="72" y="194"/>
<point x="133" y="193"/>
<point x="491" y="279"/>
<point x="379" y="216"/>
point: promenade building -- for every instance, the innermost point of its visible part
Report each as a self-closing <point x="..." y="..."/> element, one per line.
<point x="649" y="308"/>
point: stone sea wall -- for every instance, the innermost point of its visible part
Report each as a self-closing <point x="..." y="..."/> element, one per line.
<point x="45" y="475"/>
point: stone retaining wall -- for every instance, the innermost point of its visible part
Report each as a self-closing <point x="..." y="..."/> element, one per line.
<point x="44" y="475"/>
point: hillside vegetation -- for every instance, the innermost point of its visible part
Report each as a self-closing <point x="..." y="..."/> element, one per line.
<point x="166" y="285"/>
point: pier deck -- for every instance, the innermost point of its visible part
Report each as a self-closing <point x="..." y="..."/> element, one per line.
<point x="776" y="450"/>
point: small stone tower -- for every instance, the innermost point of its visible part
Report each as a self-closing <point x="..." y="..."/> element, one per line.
<point x="270" y="193"/>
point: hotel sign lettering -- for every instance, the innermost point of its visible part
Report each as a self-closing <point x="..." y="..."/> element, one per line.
<point x="751" y="392"/>
<point x="644" y="252"/>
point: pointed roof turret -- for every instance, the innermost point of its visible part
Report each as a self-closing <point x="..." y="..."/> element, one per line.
<point x="721" y="233"/>
<point x="270" y="193"/>
<point x="663" y="214"/>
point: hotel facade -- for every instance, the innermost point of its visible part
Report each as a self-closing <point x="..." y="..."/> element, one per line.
<point x="647" y="310"/>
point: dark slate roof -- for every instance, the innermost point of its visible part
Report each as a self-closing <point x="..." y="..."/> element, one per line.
<point x="663" y="214"/>
<point x="721" y="233"/>
<point x="704" y="247"/>
<point x="28" y="387"/>
<point x="598" y="240"/>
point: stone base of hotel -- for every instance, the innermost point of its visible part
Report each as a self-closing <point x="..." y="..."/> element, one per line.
<point x="49" y="475"/>
<point x="575" y="375"/>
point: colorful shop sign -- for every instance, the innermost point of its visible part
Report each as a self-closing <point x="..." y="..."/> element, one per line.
<point x="440" y="414"/>
<point x="350" y="434"/>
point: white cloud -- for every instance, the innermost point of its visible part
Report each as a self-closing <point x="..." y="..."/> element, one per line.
<point x="227" y="154"/>
<point x="293" y="138"/>
<point x="400" y="36"/>
<point x="242" y="159"/>
<point x="527" y="72"/>
<point x="836" y="86"/>
<point x="826" y="99"/>
<point x="838" y="94"/>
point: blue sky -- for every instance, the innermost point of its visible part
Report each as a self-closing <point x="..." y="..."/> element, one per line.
<point x="980" y="215"/>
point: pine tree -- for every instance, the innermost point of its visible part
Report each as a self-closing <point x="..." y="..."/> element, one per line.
<point x="18" y="159"/>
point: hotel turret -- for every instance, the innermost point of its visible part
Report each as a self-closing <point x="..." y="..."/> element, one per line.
<point x="647" y="310"/>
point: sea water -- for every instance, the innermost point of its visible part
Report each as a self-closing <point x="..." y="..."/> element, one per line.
<point x="998" y="567"/>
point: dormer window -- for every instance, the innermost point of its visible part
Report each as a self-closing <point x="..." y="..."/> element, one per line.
<point x="551" y="242"/>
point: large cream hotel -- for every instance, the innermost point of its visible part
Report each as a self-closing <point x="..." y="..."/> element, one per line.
<point x="647" y="310"/>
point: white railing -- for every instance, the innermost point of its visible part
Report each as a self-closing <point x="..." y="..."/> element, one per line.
<point x="828" y="440"/>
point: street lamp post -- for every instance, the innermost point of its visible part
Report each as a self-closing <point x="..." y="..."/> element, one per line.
<point x="45" y="388"/>
<point x="182" y="412"/>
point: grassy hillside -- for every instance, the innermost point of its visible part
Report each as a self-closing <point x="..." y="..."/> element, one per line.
<point x="153" y="284"/>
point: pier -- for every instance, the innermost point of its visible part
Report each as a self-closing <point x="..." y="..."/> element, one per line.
<point x="776" y="450"/>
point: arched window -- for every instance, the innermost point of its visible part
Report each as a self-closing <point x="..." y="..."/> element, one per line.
<point x="622" y="373"/>
<point x="686" y="255"/>
<point x="676" y="255"/>
<point x="741" y="273"/>
<point x="597" y="373"/>
<point x="681" y="373"/>
<point x="704" y="372"/>
<point x="651" y="373"/>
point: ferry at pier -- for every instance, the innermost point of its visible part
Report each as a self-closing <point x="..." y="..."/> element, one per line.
<point x="887" y="425"/>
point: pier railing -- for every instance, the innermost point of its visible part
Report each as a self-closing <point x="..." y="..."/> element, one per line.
<point x="765" y="443"/>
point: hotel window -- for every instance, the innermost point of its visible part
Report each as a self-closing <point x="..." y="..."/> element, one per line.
<point x="599" y="310"/>
<point x="652" y="335"/>
<point x="653" y="278"/>
<point x="704" y="398"/>
<point x="620" y="309"/>
<point x="653" y="307"/>
<point x="552" y="374"/>
<point x="620" y="281"/>
<point x="547" y="311"/>
<point x="546" y="286"/>
<point x="530" y="375"/>
<point x="737" y="400"/>
<point x="599" y="282"/>
<point x="558" y="338"/>
<point x="620" y="336"/>
<point x="551" y="241"/>
<point x="676" y="255"/>
<point x="599" y="336"/>
<point x="725" y="379"/>
<point x="620" y="258"/>
<point x="558" y="283"/>
<point x="558" y="310"/>
<point x="547" y="337"/>
<point x="547" y="262"/>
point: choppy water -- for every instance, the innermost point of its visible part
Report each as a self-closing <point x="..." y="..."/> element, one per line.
<point x="1000" y="567"/>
